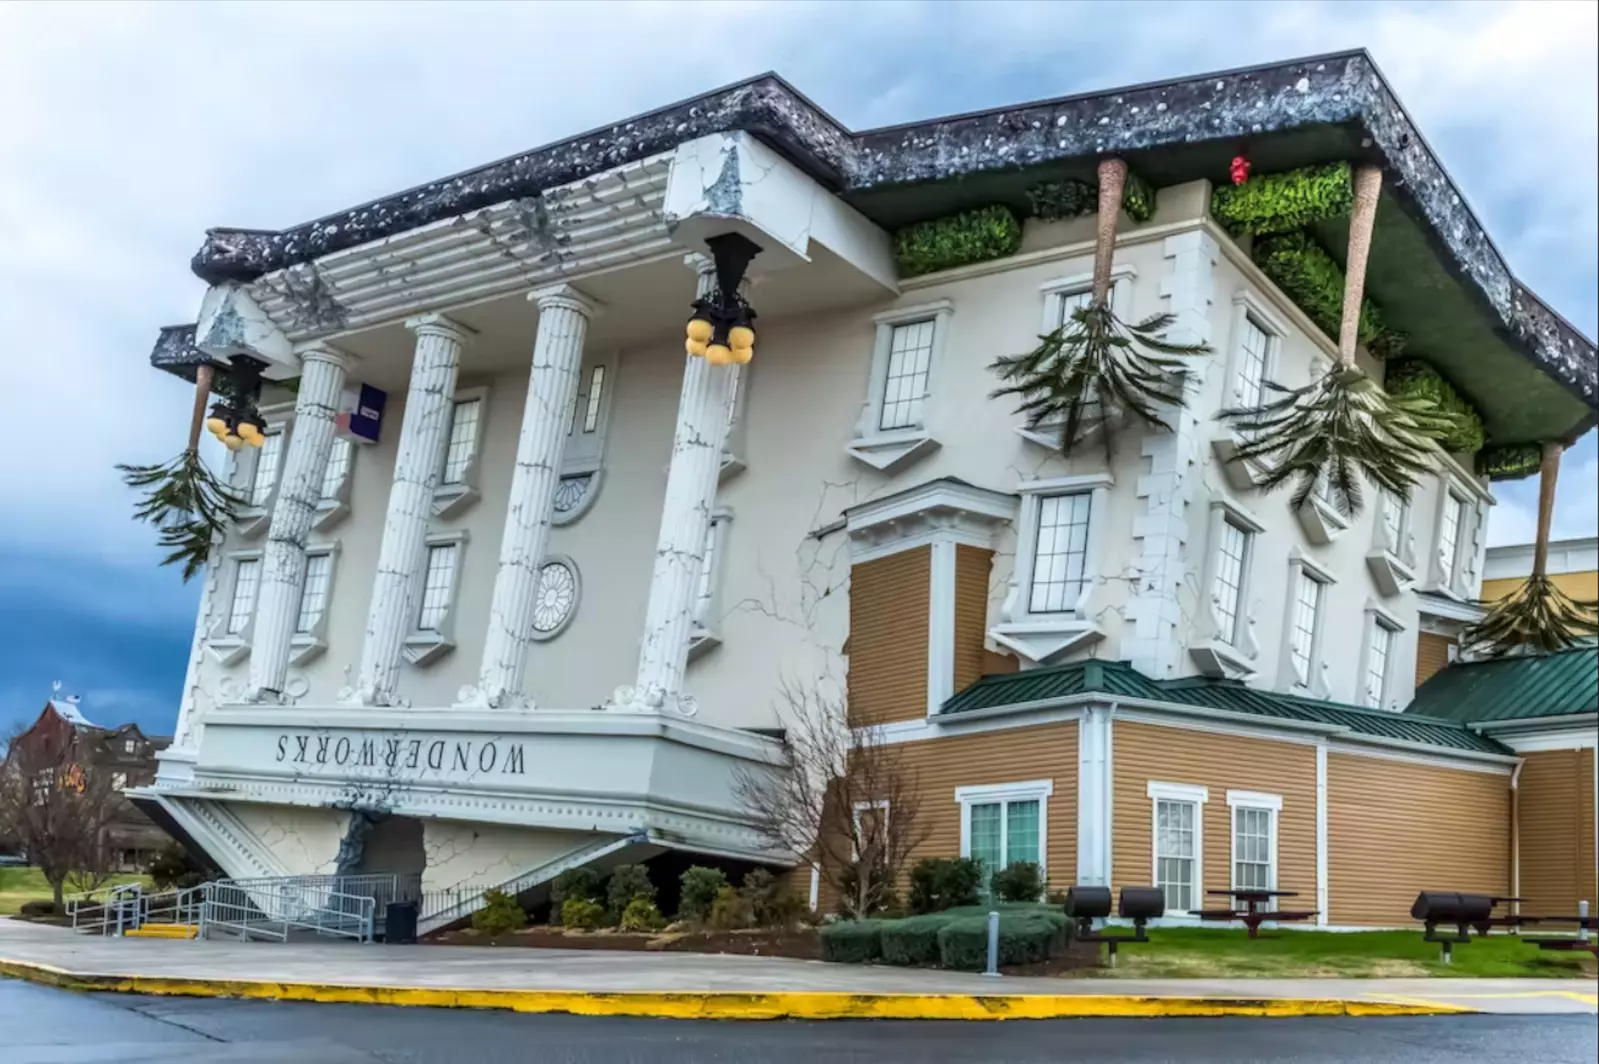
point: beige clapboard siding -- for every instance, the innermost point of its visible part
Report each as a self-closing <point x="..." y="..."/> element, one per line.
<point x="1395" y="828"/>
<point x="972" y="565"/>
<point x="888" y="603"/>
<point x="1588" y="881"/>
<point x="1550" y="800"/>
<point x="1432" y="655"/>
<point x="1044" y="751"/>
<point x="1145" y="752"/>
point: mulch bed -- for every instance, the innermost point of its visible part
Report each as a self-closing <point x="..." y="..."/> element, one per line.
<point x="805" y="945"/>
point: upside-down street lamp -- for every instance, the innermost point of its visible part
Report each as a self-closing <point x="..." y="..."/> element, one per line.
<point x="721" y="329"/>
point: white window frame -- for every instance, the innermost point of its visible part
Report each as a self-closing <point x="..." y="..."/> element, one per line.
<point x="1314" y="680"/>
<point x="1045" y="636"/>
<point x="706" y="632"/>
<point x="334" y="506"/>
<point x="1392" y="558"/>
<point x="892" y="449"/>
<point x="1247" y="308"/>
<point x="119" y="781"/>
<point x="424" y="646"/>
<point x="230" y="648"/>
<point x="565" y="561"/>
<point x="1003" y="794"/>
<point x="1053" y="295"/>
<point x="1446" y="573"/>
<point x="1259" y="802"/>
<point x="734" y="454"/>
<point x="583" y="456"/>
<point x="1215" y="651"/>
<point x="1319" y="519"/>
<point x="252" y="518"/>
<point x="305" y="647"/>
<point x="452" y="500"/>
<point x="1377" y="617"/>
<point x="1157" y="792"/>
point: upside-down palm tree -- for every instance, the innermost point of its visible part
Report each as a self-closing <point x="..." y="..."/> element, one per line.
<point x="186" y="502"/>
<point x="1537" y="617"/>
<point x="1344" y="424"/>
<point x="1094" y="362"/>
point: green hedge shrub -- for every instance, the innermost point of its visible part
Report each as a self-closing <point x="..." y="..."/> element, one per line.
<point x="577" y="883"/>
<point x="501" y="914"/>
<point x="1310" y="277"/>
<point x="848" y="882"/>
<point x="729" y="910"/>
<point x="957" y="240"/>
<point x="581" y="913"/>
<point x="1024" y="938"/>
<point x="642" y="915"/>
<point x="912" y="942"/>
<point x="698" y="893"/>
<point x="1282" y="203"/>
<point x="1414" y="379"/>
<point x="1018" y="881"/>
<point x="852" y="941"/>
<point x="771" y="901"/>
<point x="1510" y="462"/>
<point x="627" y="882"/>
<point x="1138" y="198"/>
<point x="1051" y="201"/>
<point x="37" y="907"/>
<point x="939" y="883"/>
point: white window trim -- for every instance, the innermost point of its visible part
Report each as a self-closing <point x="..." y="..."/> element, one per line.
<point x="1315" y="684"/>
<point x="1046" y="434"/>
<point x="252" y="520"/>
<point x="888" y="451"/>
<point x="230" y="648"/>
<point x="1044" y="637"/>
<point x="1040" y="791"/>
<point x="1376" y="615"/>
<point x="855" y="818"/>
<point x="734" y="454"/>
<point x="1212" y="652"/>
<point x="590" y="459"/>
<point x="452" y="500"/>
<point x="331" y="509"/>
<point x="1156" y="791"/>
<point x="577" y="597"/>
<point x="1246" y="476"/>
<point x="1393" y="565"/>
<point x="706" y="631"/>
<point x="1272" y="803"/>
<point x="424" y="647"/>
<point x="306" y="647"/>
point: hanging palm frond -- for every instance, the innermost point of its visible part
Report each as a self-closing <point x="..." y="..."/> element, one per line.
<point x="1330" y="432"/>
<point x="190" y="506"/>
<point x="1537" y="617"/>
<point x="1092" y="364"/>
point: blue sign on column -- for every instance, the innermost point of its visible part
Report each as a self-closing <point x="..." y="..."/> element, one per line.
<point x="360" y="416"/>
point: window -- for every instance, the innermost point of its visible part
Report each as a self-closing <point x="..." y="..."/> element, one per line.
<point x="1177" y="853"/>
<point x="706" y="630"/>
<point x="1232" y="557"/>
<point x="1254" y="844"/>
<point x="1253" y="344"/>
<point x="892" y="430"/>
<point x="246" y="579"/>
<point x="910" y="352"/>
<point x="314" y="595"/>
<point x="130" y="746"/>
<point x="1379" y="652"/>
<point x="1308" y="595"/>
<point x="462" y="448"/>
<point x="1002" y="824"/>
<point x="1454" y="517"/>
<point x="560" y="589"/>
<point x="119" y="781"/>
<point x="1395" y="521"/>
<point x="265" y="477"/>
<point x="1062" y="548"/>
<point x="438" y="584"/>
<point x="339" y="460"/>
<point x="586" y="401"/>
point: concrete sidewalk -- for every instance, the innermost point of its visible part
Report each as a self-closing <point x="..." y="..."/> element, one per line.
<point x="701" y="985"/>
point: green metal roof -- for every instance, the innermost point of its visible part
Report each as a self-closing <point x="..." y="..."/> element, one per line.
<point x="1521" y="688"/>
<point x="1118" y="679"/>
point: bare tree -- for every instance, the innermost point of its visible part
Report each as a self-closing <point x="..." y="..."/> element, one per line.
<point x="57" y="806"/>
<point x="847" y="801"/>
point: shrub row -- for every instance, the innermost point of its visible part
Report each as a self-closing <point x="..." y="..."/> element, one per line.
<point x="955" y="939"/>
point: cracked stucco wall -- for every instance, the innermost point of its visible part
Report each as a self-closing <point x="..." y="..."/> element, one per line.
<point x="306" y="841"/>
<point x="460" y="854"/>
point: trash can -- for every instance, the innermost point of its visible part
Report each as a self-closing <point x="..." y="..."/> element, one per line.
<point x="399" y="923"/>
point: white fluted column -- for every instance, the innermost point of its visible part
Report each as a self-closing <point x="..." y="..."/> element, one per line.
<point x="424" y="433"/>
<point x="702" y="419"/>
<point x="300" y="487"/>
<point x="564" y="315"/>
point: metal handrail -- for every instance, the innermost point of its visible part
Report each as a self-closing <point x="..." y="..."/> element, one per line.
<point x="107" y="910"/>
<point x="274" y="909"/>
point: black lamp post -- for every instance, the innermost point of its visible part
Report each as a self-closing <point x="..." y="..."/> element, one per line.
<point x="721" y="330"/>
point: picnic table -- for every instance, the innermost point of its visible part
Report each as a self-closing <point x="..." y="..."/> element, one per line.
<point x="1252" y="908"/>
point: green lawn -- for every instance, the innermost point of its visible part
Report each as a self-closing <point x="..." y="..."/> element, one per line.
<point x="1197" y="953"/>
<point x="18" y="885"/>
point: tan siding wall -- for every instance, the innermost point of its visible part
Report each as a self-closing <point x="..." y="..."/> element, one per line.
<point x="1047" y="751"/>
<point x="1432" y="655"/>
<point x="972" y="565"/>
<point x="1552" y="795"/>
<point x="888" y="603"/>
<point x="1395" y="828"/>
<point x="1144" y="752"/>
<point x="1588" y="881"/>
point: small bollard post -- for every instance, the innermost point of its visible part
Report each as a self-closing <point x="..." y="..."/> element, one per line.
<point x="993" y="945"/>
<point x="1582" y="917"/>
<point x="1449" y="952"/>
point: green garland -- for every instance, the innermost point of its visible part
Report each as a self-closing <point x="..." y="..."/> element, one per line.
<point x="1509" y="461"/>
<point x="1310" y="277"/>
<point x="1414" y="379"/>
<point x="1051" y="201"/>
<point x="1282" y="203"/>
<point x="957" y="240"/>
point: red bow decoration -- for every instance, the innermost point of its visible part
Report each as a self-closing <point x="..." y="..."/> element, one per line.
<point x="1240" y="169"/>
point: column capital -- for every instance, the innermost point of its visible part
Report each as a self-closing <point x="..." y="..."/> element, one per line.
<point x="322" y="351"/>
<point x="439" y="325"/>
<point x="700" y="263"/>
<point x="564" y="297"/>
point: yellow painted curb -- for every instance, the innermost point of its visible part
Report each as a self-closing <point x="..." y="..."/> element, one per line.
<point x="722" y="1005"/>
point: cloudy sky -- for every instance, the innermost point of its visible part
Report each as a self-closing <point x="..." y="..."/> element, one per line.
<point x="128" y="128"/>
